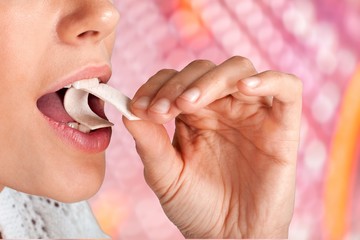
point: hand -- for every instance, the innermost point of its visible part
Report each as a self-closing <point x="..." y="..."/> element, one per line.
<point x="230" y="170"/>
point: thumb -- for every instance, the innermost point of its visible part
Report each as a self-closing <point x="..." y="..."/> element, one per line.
<point x="161" y="162"/>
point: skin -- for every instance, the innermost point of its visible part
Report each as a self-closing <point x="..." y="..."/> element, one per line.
<point x="230" y="169"/>
<point x="41" y="42"/>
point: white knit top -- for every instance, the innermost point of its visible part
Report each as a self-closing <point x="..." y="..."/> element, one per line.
<point x="25" y="216"/>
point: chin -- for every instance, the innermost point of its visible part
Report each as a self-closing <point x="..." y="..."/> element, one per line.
<point x="74" y="195"/>
<point x="69" y="180"/>
<point x="79" y="185"/>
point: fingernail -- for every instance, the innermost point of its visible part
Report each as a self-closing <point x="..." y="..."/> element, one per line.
<point x="142" y="103"/>
<point x="191" y="95"/>
<point x="252" y="82"/>
<point x="161" y="106"/>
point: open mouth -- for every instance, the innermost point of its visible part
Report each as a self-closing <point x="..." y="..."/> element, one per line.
<point x="52" y="106"/>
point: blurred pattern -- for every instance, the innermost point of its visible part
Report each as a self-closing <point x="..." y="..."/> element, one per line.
<point x="317" y="40"/>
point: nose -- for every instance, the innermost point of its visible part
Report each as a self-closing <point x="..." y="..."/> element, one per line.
<point x="87" y="21"/>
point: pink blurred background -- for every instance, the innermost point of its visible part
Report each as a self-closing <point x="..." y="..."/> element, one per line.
<point x="318" y="40"/>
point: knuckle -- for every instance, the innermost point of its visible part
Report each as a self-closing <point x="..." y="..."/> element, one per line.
<point x="274" y="74"/>
<point x="278" y="76"/>
<point x="166" y="72"/>
<point x="174" y="89"/>
<point x="201" y="63"/>
<point x="161" y="76"/>
<point x="297" y="81"/>
<point x="293" y="83"/>
<point x="242" y="61"/>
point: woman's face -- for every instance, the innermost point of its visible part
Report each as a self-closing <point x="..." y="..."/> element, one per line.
<point x="44" y="46"/>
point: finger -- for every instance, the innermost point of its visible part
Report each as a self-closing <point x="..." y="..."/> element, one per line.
<point x="162" y="108"/>
<point x="286" y="90"/>
<point x="146" y="93"/>
<point x="143" y="97"/>
<point x="215" y="84"/>
<point x="155" y="82"/>
<point x="156" y="152"/>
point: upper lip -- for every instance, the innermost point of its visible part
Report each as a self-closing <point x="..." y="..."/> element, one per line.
<point x="102" y="72"/>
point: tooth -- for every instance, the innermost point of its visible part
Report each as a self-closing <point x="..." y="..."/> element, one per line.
<point x="84" y="129"/>
<point x="94" y="82"/>
<point x="74" y="125"/>
<point x="78" y="126"/>
<point x="76" y="104"/>
<point x="84" y="83"/>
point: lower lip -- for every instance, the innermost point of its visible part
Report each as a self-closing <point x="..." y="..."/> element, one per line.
<point x="93" y="142"/>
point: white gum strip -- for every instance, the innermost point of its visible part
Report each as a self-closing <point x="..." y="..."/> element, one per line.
<point x="88" y="83"/>
<point x="107" y="94"/>
<point x="76" y="105"/>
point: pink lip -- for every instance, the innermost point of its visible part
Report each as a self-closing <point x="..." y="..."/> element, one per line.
<point x="102" y="72"/>
<point x="95" y="141"/>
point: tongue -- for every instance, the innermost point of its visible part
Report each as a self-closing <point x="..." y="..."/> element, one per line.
<point x="52" y="106"/>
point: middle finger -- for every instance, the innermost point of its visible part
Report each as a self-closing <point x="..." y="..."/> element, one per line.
<point x="162" y="105"/>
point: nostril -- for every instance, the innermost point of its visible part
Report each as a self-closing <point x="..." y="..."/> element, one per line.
<point x="89" y="34"/>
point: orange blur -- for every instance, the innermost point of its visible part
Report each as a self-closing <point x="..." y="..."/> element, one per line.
<point x="339" y="179"/>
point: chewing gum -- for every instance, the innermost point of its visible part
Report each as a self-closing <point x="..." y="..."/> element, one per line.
<point x="76" y="105"/>
<point x="76" y="102"/>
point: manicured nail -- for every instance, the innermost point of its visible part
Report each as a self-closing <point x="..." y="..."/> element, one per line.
<point x="191" y="95"/>
<point x="252" y="82"/>
<point x="161" y="106"/>
<point x="142" y="103"/>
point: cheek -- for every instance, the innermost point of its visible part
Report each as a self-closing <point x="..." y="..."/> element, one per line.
<point x="17" y="119"/>
<point x="15" y="124"/>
